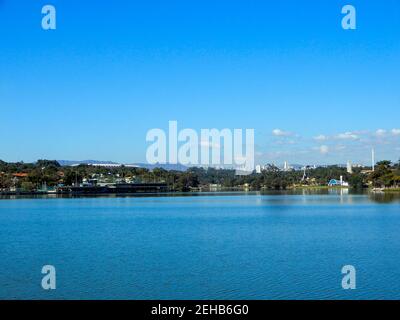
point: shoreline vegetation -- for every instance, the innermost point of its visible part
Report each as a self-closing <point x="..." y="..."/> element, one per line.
<point x="49" y="177"/>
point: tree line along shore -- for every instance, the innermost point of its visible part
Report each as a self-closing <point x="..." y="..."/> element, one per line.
<point x="49" y="175"/>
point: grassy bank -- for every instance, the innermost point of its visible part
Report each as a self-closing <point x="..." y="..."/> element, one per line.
<point x="391" y="190"/>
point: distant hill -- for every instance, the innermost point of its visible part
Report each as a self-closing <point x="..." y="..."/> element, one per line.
<point x="165" y="166"/>
<point x="74" y="162"/>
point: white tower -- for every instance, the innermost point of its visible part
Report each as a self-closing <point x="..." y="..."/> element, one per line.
<point x="373" y="159"/>
<point x="286" y="166"/>
<point x="349" y="167"/>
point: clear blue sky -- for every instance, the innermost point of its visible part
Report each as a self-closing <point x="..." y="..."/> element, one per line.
<point x="112" y="70"/>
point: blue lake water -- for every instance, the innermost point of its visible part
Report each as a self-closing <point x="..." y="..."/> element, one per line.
<point x="245" y="246"/>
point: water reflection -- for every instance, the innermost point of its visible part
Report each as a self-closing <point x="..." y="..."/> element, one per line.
<point x="384" y="197"/>
<point x="305" y="195"/>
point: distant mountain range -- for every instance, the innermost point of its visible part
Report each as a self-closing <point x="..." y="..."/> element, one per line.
<point x="166" y="166"/>
<point x="75" y="162"/>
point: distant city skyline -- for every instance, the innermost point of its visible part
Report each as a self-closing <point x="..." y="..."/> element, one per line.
<point x="110" y="72"/>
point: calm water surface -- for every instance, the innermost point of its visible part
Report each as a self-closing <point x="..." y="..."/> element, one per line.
<point x="247" y="246"/>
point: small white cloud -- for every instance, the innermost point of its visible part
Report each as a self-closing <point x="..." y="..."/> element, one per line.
<point x="321" y="137"/>
<point x="281" y="133"/>
<point x="380" y="132"/>
<point x="340" y="147"/>
<point x="347" y="136"/>
<point x="396" y="132"/>
<point x="287" y="141"/>
<point x="323" y="149"/>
